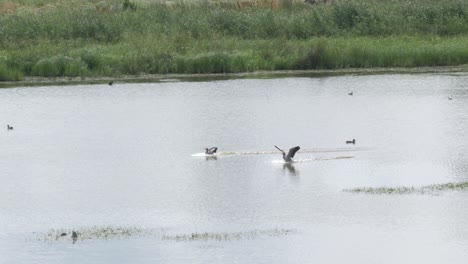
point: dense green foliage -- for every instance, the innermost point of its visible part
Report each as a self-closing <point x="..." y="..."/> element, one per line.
<point x="105" y="39"/>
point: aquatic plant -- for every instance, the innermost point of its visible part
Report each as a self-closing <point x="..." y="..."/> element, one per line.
<point x="407" y="190"/>
<point x="228" y="236"/>
<point x="109" y="232"/>
<point x="99" y="232"/>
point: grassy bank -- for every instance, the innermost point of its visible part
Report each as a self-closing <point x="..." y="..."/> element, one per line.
<point x="106" y="38"/>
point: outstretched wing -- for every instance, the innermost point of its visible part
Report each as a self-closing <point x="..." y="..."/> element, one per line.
<point x="280" y="150"/>
<point x="213" y="150"/>
<point x="293" y="151"/>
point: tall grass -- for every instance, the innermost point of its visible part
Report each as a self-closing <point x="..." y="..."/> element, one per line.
<point x="300" y="21"/>
<point x="93" y="38"/>
<point x="150" y="54"/>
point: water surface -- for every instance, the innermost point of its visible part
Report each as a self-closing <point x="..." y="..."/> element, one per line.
<point x="94" y="156"/>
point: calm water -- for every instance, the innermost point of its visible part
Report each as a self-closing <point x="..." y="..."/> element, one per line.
<point x="121" y="156"/>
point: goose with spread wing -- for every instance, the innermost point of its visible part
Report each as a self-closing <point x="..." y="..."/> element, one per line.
<point x="290" y="155"/>
<point x="211" y="151"/>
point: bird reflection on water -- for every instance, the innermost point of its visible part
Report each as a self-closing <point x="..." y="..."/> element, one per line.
<point x="290" y="167"/>
<point x="211" y="157"/>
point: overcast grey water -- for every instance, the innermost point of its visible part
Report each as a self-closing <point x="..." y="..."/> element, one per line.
<point x="129" y="156"/>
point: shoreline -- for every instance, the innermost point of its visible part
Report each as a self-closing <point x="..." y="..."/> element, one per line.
<point x="59" y="81"/>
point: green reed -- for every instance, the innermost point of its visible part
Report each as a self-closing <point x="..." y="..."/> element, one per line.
<point x="95" y="38"/>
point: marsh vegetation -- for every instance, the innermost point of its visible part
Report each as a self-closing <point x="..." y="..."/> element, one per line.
<point x="434" y="188"/>
<point x="111" y="38"/>
<point x="110" y="232"/>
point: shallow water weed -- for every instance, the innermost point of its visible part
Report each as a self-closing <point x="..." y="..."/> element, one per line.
<point x="459" y="186"/>
<point x="228" y="236"/>
<point x="106" y="233"/>
<point x="96" y="232"/>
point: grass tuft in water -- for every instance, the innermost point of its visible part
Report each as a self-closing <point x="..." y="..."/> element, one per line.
<point x="104" y="233"/>
<point x="409" y="190"/>
<point x="96" y="232"/>
<point x="228" y="236"/>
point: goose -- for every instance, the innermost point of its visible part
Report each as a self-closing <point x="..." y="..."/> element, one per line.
<point x="450" y="97"/>
<point x="211" y="151"/>
<point x="9" y="127"/>
<point x="351" y="141"/>
<point x="351" y="93"/>
<point x="290" y="155"/>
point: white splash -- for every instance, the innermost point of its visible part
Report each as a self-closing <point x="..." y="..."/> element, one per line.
<point x="312" y="159"/>
<point x="201" y="154"/>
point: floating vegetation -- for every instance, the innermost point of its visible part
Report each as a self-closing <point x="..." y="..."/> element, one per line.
<point x="228" y="236"/>
<point x="458" y="186"/>
<point x="105" y="233"/>
<point x="98" y="233"/>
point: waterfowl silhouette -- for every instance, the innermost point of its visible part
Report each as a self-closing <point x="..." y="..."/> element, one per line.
<point x="351" y="93"/>
<point x="74" y="236"/>
<point x="290" y="155"/>
<point x="9" y="127"/>
<point x="211" y="151"/>
<point x="351" y="141"/>
<point x="111" y="82"/>
<point x="450" y="97"/>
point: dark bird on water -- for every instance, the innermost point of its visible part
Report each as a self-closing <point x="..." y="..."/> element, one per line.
<point x="290" y="155"/>
<point x="111" y="82"/>
<point x="63" y="234"/>
<point x="9" y="127"/>
<point x="74" y="236"/>
<point x="351" y="141"/>
<point x="211" y="151"/>
<point x="351" y="93"/>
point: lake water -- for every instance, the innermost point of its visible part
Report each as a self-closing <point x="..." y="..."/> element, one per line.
<point x="90" y="157"/>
